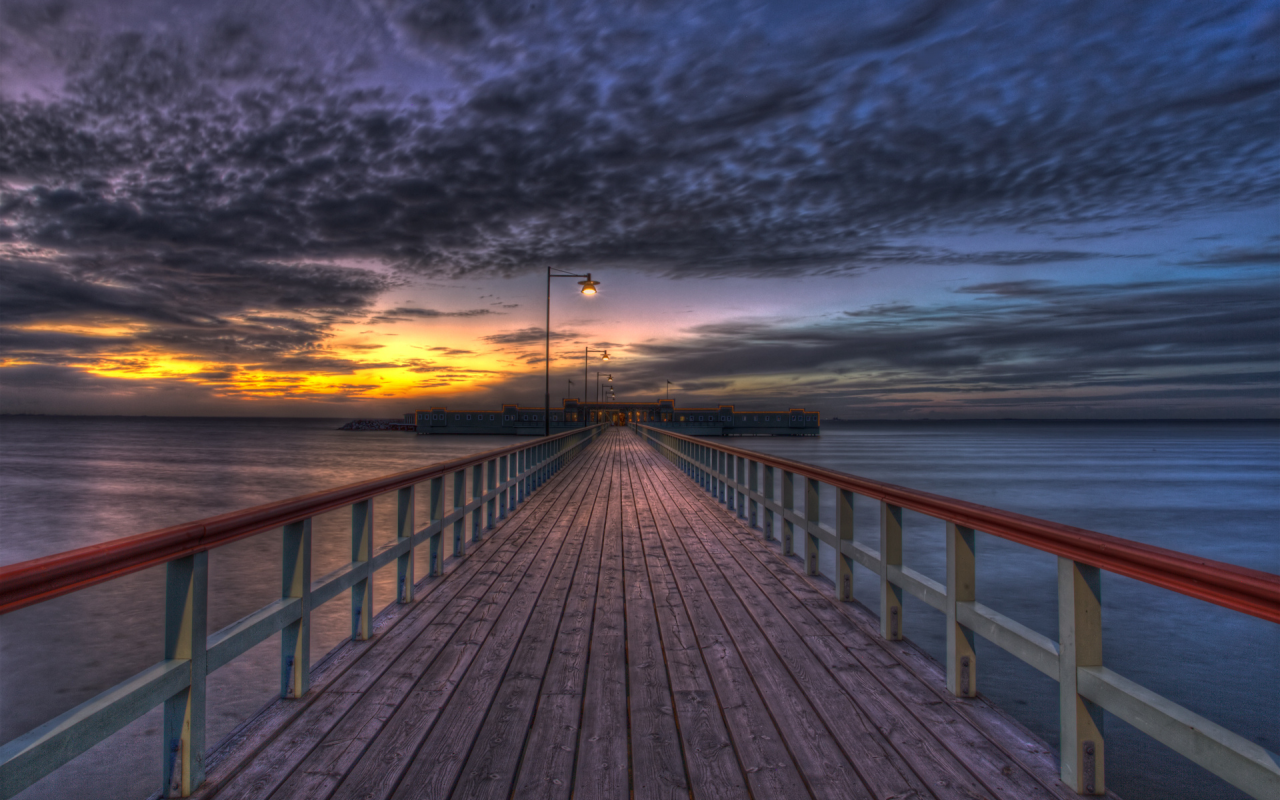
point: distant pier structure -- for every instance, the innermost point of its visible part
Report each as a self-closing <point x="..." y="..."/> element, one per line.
<point x="718" y="420"/>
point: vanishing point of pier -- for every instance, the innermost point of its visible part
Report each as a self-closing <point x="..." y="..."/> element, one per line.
<point x="613" y="624"/>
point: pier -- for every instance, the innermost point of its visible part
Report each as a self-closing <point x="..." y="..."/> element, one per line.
<point x="633" y="612"/>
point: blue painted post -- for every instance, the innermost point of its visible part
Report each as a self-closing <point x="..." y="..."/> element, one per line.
<point x="404" y="530"/>
<point x="361" y="550"/>
<point x="295" y="581"/>
<point x="185" y="634"/>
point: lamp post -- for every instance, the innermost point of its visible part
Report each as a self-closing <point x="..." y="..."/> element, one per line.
<point x="588" y="288"/>
<point x="598" y="373"/>
<point x="585" y="350"/>
<point x="668" y="390"/>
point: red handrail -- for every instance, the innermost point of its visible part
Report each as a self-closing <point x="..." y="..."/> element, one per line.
<point x="40" y="579"/>
<point x="1249" y="591"/>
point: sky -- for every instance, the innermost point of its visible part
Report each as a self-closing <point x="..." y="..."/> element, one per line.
<point x="876" y="210"/>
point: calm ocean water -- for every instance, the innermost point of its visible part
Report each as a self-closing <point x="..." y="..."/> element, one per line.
<point x="1207" y="488"/>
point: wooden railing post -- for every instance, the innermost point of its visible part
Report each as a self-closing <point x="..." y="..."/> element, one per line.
<point x="844" y="531"/>
<point x="477" y="491"/>
<point x="1079" y="645"/>
<point x="812" y="518"/>
<point x="459" y="501"/>
<point x="361" y="549"/>
<point x="739" y="485"/>
<point x="891" y="619"/>
<point x="436" y="506"/>
<point x="788" y="504"/>
<point x="962" y="659"/>
<point x="295" y="581"/>
<point x="768" y="498"/>
<point x="404" y="530"/>
<point x="186" y="623"/>
<point x="753" y="483"/>
<point x="491" y="483"/>
<point x="502" y="481"/>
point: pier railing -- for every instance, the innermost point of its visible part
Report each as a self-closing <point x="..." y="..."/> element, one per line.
<point x="745" y="481"/>
<point x="500" y="479"/>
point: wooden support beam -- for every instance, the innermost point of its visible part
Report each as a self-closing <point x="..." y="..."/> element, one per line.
<point x="891" y="620"/>
<point x="361" y="550"/>
<point x="436" y="506"/>
<point x="962" y="659"/>
<point x="186" y="623"/>
<point x="788" y="504"/>
<point x="1079" y="645"/>
<point x="295" y="581"/>
<point x="768" y="498"/>
<point x="460" y="524"/>
<point x="812" y="517"/>
<point x="844" y="530"/>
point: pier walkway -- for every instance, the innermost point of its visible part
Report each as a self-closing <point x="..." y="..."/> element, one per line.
<point x="620" y="634"/>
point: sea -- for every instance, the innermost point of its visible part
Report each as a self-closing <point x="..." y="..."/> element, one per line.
<point x="1207" y="488"/>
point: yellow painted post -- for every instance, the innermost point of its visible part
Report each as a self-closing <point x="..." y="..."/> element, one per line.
<point x="962" y="659"/>
<point x="788" y="504"/>
<point x="459" y="524"/>
<point x="844" y="529"/>
<point x="811" y="519"/>
<point x="295" y="581"/>
<point x="404" y="530"/>
<point x="768" y="498"/>
<point x="435" y="561"/>
<point x="1079" y="645"/>
<point x="361" y="550"/>
<point x="891" y="619"/>
<point x="185" y="633"/>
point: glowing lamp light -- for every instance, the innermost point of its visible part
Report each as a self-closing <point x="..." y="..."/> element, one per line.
<point x="604" y="357"/>
<point x="589" y="288"/>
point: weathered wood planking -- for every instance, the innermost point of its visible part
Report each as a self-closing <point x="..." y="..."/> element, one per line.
<point x="621" y="635"/>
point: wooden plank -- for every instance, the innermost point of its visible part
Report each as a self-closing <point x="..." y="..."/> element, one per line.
<point x="447" y="647"/>
<point x="504" y="679"/>
<point x="355" y="666"/>
<point x="924" y="711"/>
<point x="766" y="761"/>
<point x="547" y="762"/>
<point x="603" y="768"/>
<point x="378" y="769"/>
<point x="545" y="767"/>
<point x="886" y="744"/>
<point x="712" y="766"/>
<point x="658" y="769"/>
<point x="827" y="769"/>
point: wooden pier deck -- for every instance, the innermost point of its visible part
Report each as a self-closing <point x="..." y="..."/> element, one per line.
<point x="620" y="635"/>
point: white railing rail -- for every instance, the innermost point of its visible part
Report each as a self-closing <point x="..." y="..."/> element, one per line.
<point x="744" y="481"/>
<point x="500" y="480"/>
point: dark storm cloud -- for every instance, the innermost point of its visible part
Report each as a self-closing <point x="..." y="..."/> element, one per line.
<point x="709" y="140"/>
<point x="1012" y="336"/>
<point x="527" y="336"/>
<point x="402" y="314"/>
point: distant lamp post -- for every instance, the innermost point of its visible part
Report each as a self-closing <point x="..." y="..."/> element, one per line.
<point x="598" y="374"/>
<point x="604" y="357"/>
<point x="588" y="288"/>
<point x="668" y="390"/>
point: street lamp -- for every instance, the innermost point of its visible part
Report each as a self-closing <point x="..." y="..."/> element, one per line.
<point x="598" y="373"/>
<point x="588" y="288"/>
<point x="585" y="350"/>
